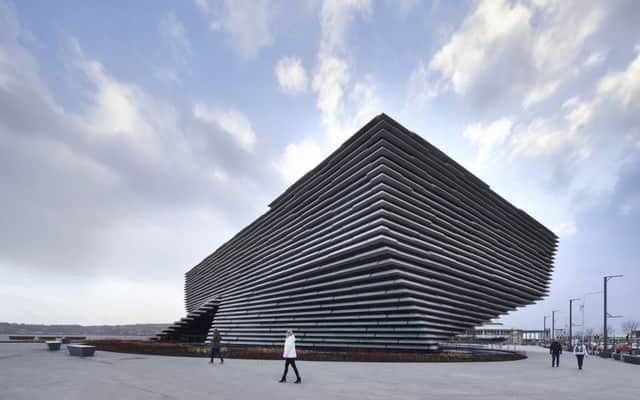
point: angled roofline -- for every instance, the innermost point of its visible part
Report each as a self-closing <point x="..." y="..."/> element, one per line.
<point x="366" y="129"/>
<point x="294" y="187"/>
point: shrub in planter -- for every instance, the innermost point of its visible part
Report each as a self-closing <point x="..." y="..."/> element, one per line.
<point x="605" y="354"/>
<point x="631" y="359"/>
<point x="275" y="353"/>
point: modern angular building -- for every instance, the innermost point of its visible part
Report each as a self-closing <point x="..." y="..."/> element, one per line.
<point x="386" y="244"/>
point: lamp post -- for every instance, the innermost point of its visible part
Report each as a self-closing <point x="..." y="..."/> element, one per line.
<point x="553" y="323"/>
<point x="544" y="332"/>
<point x="606" y="316"/>
<point x="584" y="298"/>
<point x="571" y="321"/>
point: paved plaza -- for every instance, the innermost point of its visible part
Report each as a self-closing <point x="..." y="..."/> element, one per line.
<point x="28" y="371"/>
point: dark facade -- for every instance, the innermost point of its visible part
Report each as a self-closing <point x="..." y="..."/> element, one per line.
<point x="388" y="243"/>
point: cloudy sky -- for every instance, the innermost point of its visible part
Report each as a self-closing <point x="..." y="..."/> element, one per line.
<point x="136" y="137"/>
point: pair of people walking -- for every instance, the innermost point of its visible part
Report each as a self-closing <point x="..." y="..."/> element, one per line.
<point x="580" y="351"/>
<point x="289" y="353"/>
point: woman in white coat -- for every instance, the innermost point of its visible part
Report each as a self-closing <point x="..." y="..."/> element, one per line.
<point x="289" y="356"/>
<point x="580" y="350"/>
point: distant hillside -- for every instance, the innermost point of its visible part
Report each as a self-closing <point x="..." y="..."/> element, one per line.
<point x="7" y="328"/>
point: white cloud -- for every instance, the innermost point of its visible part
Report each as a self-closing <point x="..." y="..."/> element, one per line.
<point x="610" y="111"/>
<point x="534" y="61"/>
<point x="623" y="86"/>
<point x="175" y="35"/>
<point x="565" y="229"/>
<point x="559" y="42"/>
<point x="571" y="103"/>
<point x="218" y="175"/>
<point x="335" y="18"/>
<point x="123" y="110"/>
<point x="344" y="103"/>
<point x="579" y="115"/>
<point x="505" y="51"/>
<point x="364" y="94"/>
<point x="563" y="137"/>
<point x="329" y="82"/>
<point x="493" y="29"/>
<point x="116" y="109"/>
<point x="203" y="5"/>
<point x="487" y="137"/>
<point x="422" y="87"/>
<point x="594" y="59"/>
<point x="540" y="93"/>
<point x="231" y="121"/>
<point x="540" y="138"/>
<point x="83" y="183"/>
<point x="298" y="159"/>
<point x="247" y="22"/>
<point x="291" y="75"/>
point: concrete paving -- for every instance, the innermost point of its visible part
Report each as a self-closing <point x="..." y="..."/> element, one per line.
<point x="29" y="371"/>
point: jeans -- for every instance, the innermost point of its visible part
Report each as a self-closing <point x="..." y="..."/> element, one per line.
<point x="291" y="361"/>
<point x="580" y="358"/>
<point x="555" y="359"/>
<point x="216" y="351"/>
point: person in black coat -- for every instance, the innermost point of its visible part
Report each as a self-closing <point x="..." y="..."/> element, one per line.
<point x="215" y="346"/>
<point x="555" y="349"/>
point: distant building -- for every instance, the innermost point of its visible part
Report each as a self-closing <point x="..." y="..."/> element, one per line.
<point x="495" y="332"/>
<point x="386" y="244"/>
<point x="533" y="337"/>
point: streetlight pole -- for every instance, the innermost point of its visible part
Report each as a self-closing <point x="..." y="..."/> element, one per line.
<point x="584" y="299"/>
<point x="544" y="332"/>
<point x="553" y="323"/>
<point x="606" y="316"/>
<point x="571" y="321"/>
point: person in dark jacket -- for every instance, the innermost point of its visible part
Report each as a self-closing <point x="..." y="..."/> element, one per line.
<point x="215" y="346"/>
<point x="555" y="349"/>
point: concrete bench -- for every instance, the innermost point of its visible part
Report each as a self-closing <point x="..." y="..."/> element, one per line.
<point x="81" y="350"/>
<point x="54" y="345"/>
<point x="69" y="339"/>
<point x="631" y="359"/>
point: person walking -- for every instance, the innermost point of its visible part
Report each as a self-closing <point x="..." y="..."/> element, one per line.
<point x="289" y="356"/>
<point x="580" y="351"/>
<point x="215" y="346"/>
<point x="555" y="350"/>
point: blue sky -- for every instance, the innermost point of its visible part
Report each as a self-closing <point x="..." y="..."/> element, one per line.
<point x="135" y="137"/>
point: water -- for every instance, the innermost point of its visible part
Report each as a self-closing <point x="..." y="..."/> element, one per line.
<point x="5" y="338"/>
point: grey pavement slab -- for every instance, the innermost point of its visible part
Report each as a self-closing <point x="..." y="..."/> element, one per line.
<point x="29" y="371"/>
